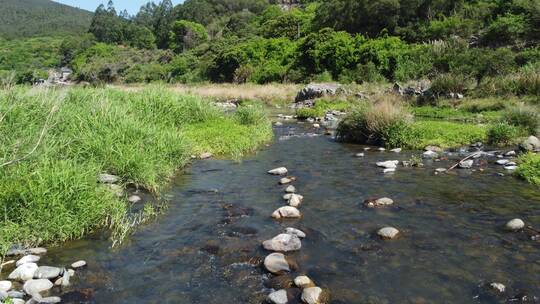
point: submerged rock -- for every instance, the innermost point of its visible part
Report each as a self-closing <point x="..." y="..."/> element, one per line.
<point x="299" y="233"/>
<point x="390" y="164"/>
<point x="277" y="263"/>
<point x="283" y="242"/>
<point x="315" y="295"/>
<point x="389" y="170"/>
<point x="24" y="272"/>
<point x="381" y="202"/>
<point x="134" y="199"/>
<point x="515" y="225"/>
<point x="278" y="297"/>
<point x="286" y="212"/>
<point x="388" y="233"/>
<point x="430" y="154"/>
<point x="278" y="171"/>
<point x="78" y="264"/>
<point x="283" y="281"/>
<point x="502" y="161"/>
<point x="497" y="287"/>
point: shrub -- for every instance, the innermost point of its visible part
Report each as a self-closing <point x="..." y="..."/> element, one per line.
<point x="529" y="168"/>
<point x="450" y="83"/>
<point x="485" y="105"/>
<point x="523" y="116"/>
<point x="384" y="123"/>
<point x="502" y="134"/>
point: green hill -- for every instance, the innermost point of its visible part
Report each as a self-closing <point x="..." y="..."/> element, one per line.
<point x="30" y="18"/>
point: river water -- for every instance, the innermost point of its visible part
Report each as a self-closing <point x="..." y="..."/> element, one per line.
<point x="206" y="248"/>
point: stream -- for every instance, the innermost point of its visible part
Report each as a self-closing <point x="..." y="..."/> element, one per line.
<point x="206" y="248"/>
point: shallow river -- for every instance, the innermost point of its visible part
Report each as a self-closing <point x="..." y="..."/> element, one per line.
<point x="206" y="247"/>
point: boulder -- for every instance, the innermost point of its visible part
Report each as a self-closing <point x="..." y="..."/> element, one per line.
<point x="515" y="225"/>
<point x="288" y="196"/>
<point x="303" y="282"/>
<point x="389" y="164"/>
<point x="531" y="144"/>
<point x="318" y="90"/>
<point x="24" y="272"/>
<point x="134" y="199"/>
<point x="283" y="242"/>
<point x="277" y="263"/>
<point x="290" y="189"/>
<point x="286" y="180"/>
<point x="299" y="233"/>
<point x="286" y="212"/>
<point x="315" y="295"/>
<point x="5" y="286"/>
<point x="28" y="259"/>
<point x="35" y="287"/>
<point x="278" y="297"/>
<point x="388" y="233"/>
<point x="295" y="200"/>
<point x="3" y="295"/>
<point x="47" y="272"/>
<point x="278" y="171"/>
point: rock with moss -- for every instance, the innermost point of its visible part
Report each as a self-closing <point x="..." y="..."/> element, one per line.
<point x="531" y="144"/>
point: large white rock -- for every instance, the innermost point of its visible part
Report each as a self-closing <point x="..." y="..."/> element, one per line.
<point x="303" y="282"/>
<point x="502" y="161"/>
<point x="381" y="202"/>
<point x="276" y="263"/>
<point x="288" y="196"/>
<point x="295" y="200"/>
<point x="28" y="259"/>
<point x="35" y="287"/>
<point x="5" y="286"/>
<point x="389" y="164"/>
<point x="290" y="189"/>
<point x="283" y="242"/>
<point x="430" y="154"/>
<point x="313" y="295"/>
<point x="78" y="264"/>
<point x="388" y="233"/>
<point x="47" y="272"/>
<point x="286" y="212"/>
<point x="278" y="297"/>
<point x="278" y="171"/>
<point x="515" y="225"/>
<point x="299" y="233"/>
<point x="24" y="272"/>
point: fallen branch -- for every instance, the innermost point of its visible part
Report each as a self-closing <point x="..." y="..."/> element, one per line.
<point x="466" y="158"/>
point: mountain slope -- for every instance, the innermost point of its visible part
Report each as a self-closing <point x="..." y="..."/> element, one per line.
<point x="27" y="18"/>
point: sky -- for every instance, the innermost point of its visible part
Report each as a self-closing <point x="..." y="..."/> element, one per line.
<point x="132" y="6"/>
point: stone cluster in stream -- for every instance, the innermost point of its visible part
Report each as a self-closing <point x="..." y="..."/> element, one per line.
<point x="29" y="283"/>
<point x="278" y="264"/>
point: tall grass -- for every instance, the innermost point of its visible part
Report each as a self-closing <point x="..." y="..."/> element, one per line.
<point x="54" y="143"/>
<point x="529" y="168"/>
<point x="525" y="117"/>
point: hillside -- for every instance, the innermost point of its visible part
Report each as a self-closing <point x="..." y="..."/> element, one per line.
<point x="29" y="18"/>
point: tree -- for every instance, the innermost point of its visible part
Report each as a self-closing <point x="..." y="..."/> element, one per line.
<point x="186" y="35"/>
<point x="106" y="26"/>
<point x="139" y="36"/>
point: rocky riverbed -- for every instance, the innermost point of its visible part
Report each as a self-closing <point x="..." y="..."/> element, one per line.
<point x="419" y="234"/>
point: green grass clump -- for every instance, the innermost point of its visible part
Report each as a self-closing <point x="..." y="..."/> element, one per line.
<point x="525" y="117"/>
<point x="322" y="106"/>
<point x="54" y="143"/>
<point x="529" y="168"/>
<point x="445" y="134"/>
<point x="502" y="134"/>
<point x="453" y="114"/>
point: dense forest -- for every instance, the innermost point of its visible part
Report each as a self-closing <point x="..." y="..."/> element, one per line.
<point x="33" y="18"/>
<point x="455" y="44"/>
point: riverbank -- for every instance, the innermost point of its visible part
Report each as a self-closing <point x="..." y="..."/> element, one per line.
<point x="55" y="143"/>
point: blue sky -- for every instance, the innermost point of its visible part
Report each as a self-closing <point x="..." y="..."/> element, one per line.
<point x="132" y="6"/>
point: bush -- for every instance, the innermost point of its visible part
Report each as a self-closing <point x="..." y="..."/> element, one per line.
<point x="529" y="168"/>
<point x="485" y="105"/>
<point x="502" y="134"/>
<point x="384" y="123"/>
<point x="523" y="116"/>
<point x="450" y="83"/>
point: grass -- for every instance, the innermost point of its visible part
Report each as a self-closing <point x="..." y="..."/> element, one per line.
<point x="322" y="106"/>
<point x="445" y="134"/>
<point x="64" y="138"/>
<point x="453" y="114"/>
<point x="529" y="168"/>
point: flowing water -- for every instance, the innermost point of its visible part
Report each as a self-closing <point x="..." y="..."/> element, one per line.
<point x="207" y="247"/>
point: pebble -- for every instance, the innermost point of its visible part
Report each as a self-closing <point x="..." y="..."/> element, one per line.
<point x="396" y="150"/>
<point x="303" y="282"/>
<point x="502" y="161"/>
<point x="515" y="225"/>
<point x="206" y="155"/>
<point x="381" y="202"/>
<point x="277" y="263"/>
<point x="278" y="171"/>
<point x="299" y="233"/>
<point x="316" y="126"/>
<point x="466" y="164"/>
<point x="290" y="189"/>
<point x="390" y="164"/>
<point x="295" y="200"/>
<point x="34" y="287"/>
<point x="47" y="272"/>
<point x="440" y="170"/>
<point x="278" y="297"/>
<point x="388" y="233"/>
<point x="108" y="178"/>
<point x="28" y="259"/>
<point x="285" y="180"/>
<point x="360" y="154"/>
<point x="78" y="264"/>
<point x="37" y="250"/>
<point x="5" y="285"/>
<point x="286" y="212"/>
<point x="510" y="168"/>
<point x="134" y="199"/>
<point x="497" y="287"/>
<point x="430" y="154"/>
<point x="283" y="242"/>
<point x="510" y="153"/>
<point x="24" y="272"/>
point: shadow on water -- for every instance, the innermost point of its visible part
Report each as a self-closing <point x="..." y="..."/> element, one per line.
<point x="206" y="248"/>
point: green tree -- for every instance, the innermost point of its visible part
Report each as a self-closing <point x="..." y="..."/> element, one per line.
<point x="186" y="35"/>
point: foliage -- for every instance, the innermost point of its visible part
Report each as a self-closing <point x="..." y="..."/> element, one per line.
<point x="143" y="137"/>
<point x="502" y="134"/>
<point x="450" y="83"/>
<point x="322" y="106"/>
<point x="523" y="116"/>
<point x="186" y="35"/>
<point x="529" y="168"/>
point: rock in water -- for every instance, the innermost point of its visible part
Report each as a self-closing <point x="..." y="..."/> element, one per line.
<point x="278" y="171"/>
<point x="28" y="259"/>
<point x="277" y="263"/>
<point x="502" y="161"/>
<point x="47" y="272"/>
<point x="396" y="150"/>
<point x="466" y="164"/>
<point x="515" y="225"/>
<point x="285" y="180"/>
<point x="286" y="212"/>
<point x="288" y="196"/>
<point x="283" y="242"/>
<point x="381" y="202"/>
<point x="316" y="90"/>
<point x="206" y="155"/>
<point x="315" y="295"/>
<point x="390" y="164"/>
<point x="294" y="231"/>
<point x="497" y="287"/>
<point x="303" y="282"/>
<point x="78" y="264"/>
<point x="24" y="272"/>
<point x="295" y="200"/>
<point x="430" y="154"/>
<point x="49" y="300"/>
<point x="108" y="179"/>
<point x="134" y="199"/>
<point x="278" y="297"/>
<point x="388" y="233"/>
<point x="35" y="287"/>
<point x="531" y="144"/>
<point x="5" y="286"/>
<point x="290" y="189"/>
